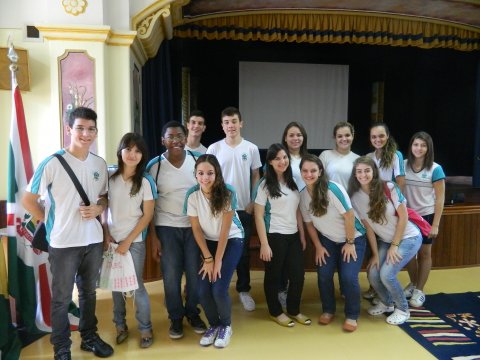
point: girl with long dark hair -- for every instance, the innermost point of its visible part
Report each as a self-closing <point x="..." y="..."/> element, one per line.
<point x="425" y="192"/>
<point x="338" y="237"/>
<point x="131" y="194"/>
<point x="399" y="240"/>
<point x="280" y="230"/>
<point x="219" y="234"/>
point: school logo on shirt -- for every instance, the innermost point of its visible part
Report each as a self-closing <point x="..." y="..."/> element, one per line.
<point x="424" y="175"/>
<point x="244" y="157"/>
<point x="96" y="175"/>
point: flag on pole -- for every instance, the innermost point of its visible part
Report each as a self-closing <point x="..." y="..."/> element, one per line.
<point x="28" y="280"/>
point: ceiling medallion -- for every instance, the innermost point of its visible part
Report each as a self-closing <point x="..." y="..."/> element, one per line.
<point x="74" y="7"/>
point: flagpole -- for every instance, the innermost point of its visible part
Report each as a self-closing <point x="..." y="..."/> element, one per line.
<point x="13" y="57"/>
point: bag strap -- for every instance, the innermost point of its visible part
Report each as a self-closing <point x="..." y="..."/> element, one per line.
<point x="387" y="191"/>
<point x="160" y="162"/>
<point x="75" y="181"/>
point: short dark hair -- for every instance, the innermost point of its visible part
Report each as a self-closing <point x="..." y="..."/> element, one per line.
<point x="231" y="111"/>
<point x="173" y="124"/>
<point x="198" y="113"/>
<point x="82" y="113"/>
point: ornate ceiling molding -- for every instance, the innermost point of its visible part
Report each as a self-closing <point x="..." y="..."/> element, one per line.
<point x="75" y="33"/>
<point x="158" y="21"/>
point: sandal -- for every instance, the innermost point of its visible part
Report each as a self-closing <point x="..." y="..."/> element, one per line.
<point x="326" y="318"/>
<point x="398" y="317"/>
<point x="302" y="319"/>
<point x="146" y="339"/>
<point x="283" y="320"/>
<point x="349" y="326"/>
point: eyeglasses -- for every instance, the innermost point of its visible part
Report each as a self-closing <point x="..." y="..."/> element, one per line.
<point x="179" y="137"/>
<point x="90" y="130"/>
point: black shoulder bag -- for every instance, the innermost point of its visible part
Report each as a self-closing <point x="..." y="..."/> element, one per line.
<point x="39" y="240"/>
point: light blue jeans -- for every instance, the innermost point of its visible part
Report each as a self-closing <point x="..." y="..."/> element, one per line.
<point x="142" y="302"/>
<point x="384" y="280"/>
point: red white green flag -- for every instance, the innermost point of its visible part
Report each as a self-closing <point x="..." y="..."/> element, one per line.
<point x="29" y="277"/>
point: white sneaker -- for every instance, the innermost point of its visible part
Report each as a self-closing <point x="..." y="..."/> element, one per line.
<point x="209" y="336"/>
<point x="247" y="301"/>
<point x="379" y="309"/>
<point x="408" y="291"/>
<point x="223" y="336"/>
<point x="417" y="299"/>
<point x="398" y="317"/>
<point x="282" y="298"/>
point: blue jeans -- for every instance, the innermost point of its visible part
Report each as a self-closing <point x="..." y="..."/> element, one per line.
<point x="214" y="296"/>
<point x="348" y="281"/>
<point x="243" y="267"/>
<point x="142" y="302"/>
<point x="180" y="253"/>
<point x="385" y="281"/>
<point x="80" y="265"/>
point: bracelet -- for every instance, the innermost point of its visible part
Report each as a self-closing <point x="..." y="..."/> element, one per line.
<point x="351" y="241"/>
<point x="210" y="260"/>
<point x="205" y="258"/>
<point x="395" y="244"/>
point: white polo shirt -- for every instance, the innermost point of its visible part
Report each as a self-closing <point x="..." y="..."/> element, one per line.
<point x="281" y="212"/>
<point x="396" y="169"/>
<point x="386" y="231"/>
<point x="196" y="204"/>
<point x="338" y="166"/>
<point x="63" y="221"/>
<point x="237" y="163"/>
<point x="124" y="211"/>
<point x="201" y="149"/>
<point x="297" y="174"/>
<point x="172" y="184"/>
<point x="332" y="223"/>
<point x="419" y="189"/>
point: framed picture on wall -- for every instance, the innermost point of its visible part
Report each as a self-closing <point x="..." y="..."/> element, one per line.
<point x="77" y="86"/>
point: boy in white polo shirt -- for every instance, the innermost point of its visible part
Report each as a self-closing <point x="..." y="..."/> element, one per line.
<point x="240" y="163"/>
<point x="75" y="236"/>
<point x="196" y="127"/>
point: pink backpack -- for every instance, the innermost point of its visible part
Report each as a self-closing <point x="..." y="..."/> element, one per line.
<point x="413" y="216"/>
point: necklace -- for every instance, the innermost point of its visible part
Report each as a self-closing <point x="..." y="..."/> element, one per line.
<point x="205" y="192"/>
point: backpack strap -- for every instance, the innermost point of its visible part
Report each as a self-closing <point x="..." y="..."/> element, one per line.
<point x="160" y="161"/>
<point x="388" y="193"/>
<point x="75" y="181"/>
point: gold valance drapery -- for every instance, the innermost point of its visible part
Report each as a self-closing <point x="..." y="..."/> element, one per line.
<point x="340" y="28"/>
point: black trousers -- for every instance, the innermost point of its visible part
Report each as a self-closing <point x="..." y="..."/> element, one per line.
<point x="287" y="257"/>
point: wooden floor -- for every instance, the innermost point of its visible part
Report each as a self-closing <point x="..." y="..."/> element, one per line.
<point x="257" y="337"/>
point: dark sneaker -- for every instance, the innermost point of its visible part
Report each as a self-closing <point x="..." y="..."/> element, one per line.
<point x="176" y="329"/>
<point x="63" y="355"/>
<point x="94" y="344"/>
<point x="146" y="339"/>
<point x="197" y="324"/>
<point x="122" y="334"/>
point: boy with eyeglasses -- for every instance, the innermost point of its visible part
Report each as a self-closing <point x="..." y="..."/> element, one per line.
<point x="170" y="231"/>
<point x="75" y="236"/>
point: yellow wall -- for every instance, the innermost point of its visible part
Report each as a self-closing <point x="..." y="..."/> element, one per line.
<point x="42" y="103"/>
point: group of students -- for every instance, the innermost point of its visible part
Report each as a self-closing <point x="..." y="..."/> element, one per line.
<point x="199" y="210"/>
